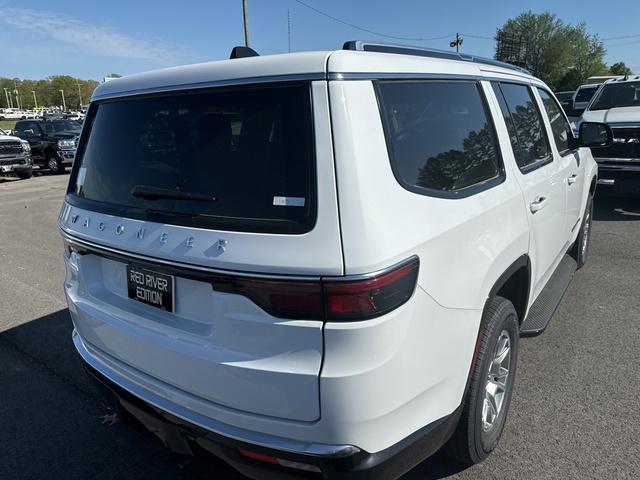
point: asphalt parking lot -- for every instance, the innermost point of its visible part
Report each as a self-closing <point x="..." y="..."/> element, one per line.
<point x="575" y="412"/>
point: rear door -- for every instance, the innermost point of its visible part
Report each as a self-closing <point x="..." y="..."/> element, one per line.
<point x="560" y="130"/>
<point x="541" y="177"/>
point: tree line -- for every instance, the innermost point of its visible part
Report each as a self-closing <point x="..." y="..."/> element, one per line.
<point x="560" y="54"/>
<point x="48" y="93"/>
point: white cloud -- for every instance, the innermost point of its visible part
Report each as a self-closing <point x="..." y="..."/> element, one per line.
<point x="90" y="38"/>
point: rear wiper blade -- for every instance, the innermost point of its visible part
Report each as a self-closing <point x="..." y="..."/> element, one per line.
<point x="157" y="193"/>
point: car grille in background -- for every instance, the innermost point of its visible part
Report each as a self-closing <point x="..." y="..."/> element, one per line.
<point x="626" y="144"/>
<point x="10" y="148"/>
<point x="21" y="161"/>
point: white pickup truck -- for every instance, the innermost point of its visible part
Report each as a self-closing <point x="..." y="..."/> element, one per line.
<point x="320" y="264"/>
<point x="617" y="104"/>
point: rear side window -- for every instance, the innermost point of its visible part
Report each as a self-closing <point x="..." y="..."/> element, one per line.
<point x="524" y="122"/>
<point x="245" y="154"/>
<point x="440" y="137"/>
<point x="559" y="124"/>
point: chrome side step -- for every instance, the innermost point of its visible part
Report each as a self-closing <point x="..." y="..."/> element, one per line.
<point x="547" y="302"/>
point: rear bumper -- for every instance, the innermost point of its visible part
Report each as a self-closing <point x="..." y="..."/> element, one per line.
<point x="186" y="432"/>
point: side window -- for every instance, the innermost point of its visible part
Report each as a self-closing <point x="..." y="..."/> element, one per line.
<point x="440" y="136"/>
<point x="559" y="124"/>
<point x="527" y="130"/>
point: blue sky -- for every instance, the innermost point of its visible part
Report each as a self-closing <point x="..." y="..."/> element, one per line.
<point x="89" y="39"/>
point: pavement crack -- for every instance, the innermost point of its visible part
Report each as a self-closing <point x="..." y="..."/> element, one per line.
<point x="42" y="364"/>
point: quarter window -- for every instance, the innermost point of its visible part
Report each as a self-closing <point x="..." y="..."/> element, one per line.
<point x="440" y="137"/>
<point x="559" y="124"/>
<point x="524" y="122"/>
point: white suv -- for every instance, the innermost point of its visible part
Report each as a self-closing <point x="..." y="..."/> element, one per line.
<point x="321" y="263"/>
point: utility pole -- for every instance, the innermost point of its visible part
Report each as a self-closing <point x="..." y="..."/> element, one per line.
<point x="6" y="95"/>
<point x="457" y="42"/>
<point x="79" y="96"/>
<point x="245" y="17"/>
<point x="289" y="30"/>
<point x="17" y="98"/>
<point x="64" y="105"/>
<point x="35" y="100"/>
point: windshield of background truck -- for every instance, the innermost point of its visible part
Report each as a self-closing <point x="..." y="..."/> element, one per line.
<point x="615" y="95"/>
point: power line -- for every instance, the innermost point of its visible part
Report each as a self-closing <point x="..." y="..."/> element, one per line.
<point x="623" y="37"/>
<point x="380" y="34"/>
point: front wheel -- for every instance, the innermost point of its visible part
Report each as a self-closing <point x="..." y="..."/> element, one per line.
<point x="25" y="175"/>
<point x="54" y="164"/>
<point x="489" y="392"/>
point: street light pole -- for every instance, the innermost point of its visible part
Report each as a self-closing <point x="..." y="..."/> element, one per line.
<point x="64" y="105"/>
<point x="245" y="17"/>
<point x="79" y="96"/>
<point x="35" y="100"/>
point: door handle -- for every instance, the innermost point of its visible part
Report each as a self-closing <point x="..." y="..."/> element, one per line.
<point x="538" y="204"/>
<point x="572" y="179"/>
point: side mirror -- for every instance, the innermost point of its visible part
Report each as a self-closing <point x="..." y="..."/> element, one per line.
<point x="593" y="134"/>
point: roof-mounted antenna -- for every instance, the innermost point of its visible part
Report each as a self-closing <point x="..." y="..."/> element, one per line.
<point x="243" y="52"/>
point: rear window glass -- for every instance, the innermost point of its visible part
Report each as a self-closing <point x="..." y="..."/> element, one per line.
<point x="585" y="94"/>
<point x="440" y="137"/>
<point x="244" y="155"/>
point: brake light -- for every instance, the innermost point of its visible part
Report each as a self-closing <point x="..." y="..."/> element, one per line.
<point x="261" y="457"/>
<point x="343" y="299"/>
<point x="375" y="295"/>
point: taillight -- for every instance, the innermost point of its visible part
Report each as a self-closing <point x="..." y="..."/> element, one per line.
<point x="329" y="299"/>
<point x="281" y="298"/>
<point x="371" y="296"/>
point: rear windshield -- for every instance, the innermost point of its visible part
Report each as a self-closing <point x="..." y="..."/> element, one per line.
<point x="585" y="94"/>
<point x="244" y="155"/>
<point x="615" y="95"/>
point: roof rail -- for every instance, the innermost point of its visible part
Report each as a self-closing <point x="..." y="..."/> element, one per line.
<point x="362" y="46"/>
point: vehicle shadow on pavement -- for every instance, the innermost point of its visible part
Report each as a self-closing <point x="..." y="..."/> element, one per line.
<point x="56" y="424"/>
<point x="609" y="207"/>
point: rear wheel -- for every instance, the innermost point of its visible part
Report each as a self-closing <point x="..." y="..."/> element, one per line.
<point x="491" y="386"/>
<point x="580" y="249"/>
<point x="54" y="164"/>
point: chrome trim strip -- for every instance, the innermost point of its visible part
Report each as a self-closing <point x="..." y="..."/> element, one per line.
<point x="213" y="83"/>
<point x="606" y="181"/>
<point x="235" y="433"/>
<point x="69" y="237"/>
<point x="399" y="76"/>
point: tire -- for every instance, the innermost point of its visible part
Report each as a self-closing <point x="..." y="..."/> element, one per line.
<point x="478" y="431"/>
<point x="580" y="249"/>
<point x="25" y="175"/>
<point x="54" y="164"/>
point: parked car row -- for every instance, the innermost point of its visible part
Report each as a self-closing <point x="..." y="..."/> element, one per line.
<point x="18" y="114"/>
<point x="47" y="144"/>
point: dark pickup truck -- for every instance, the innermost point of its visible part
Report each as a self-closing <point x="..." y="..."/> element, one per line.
<point x="53" y="142"/>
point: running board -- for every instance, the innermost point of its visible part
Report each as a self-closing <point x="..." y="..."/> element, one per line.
<point x="547" y="302"/>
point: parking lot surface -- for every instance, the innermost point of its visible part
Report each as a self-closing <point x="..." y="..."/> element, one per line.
<point x="575" y="412"/>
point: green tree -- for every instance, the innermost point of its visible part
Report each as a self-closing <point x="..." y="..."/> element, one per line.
<point x="47" y="91"/>
<point x="551" y="49"/>
<point x="619" y="68"/>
